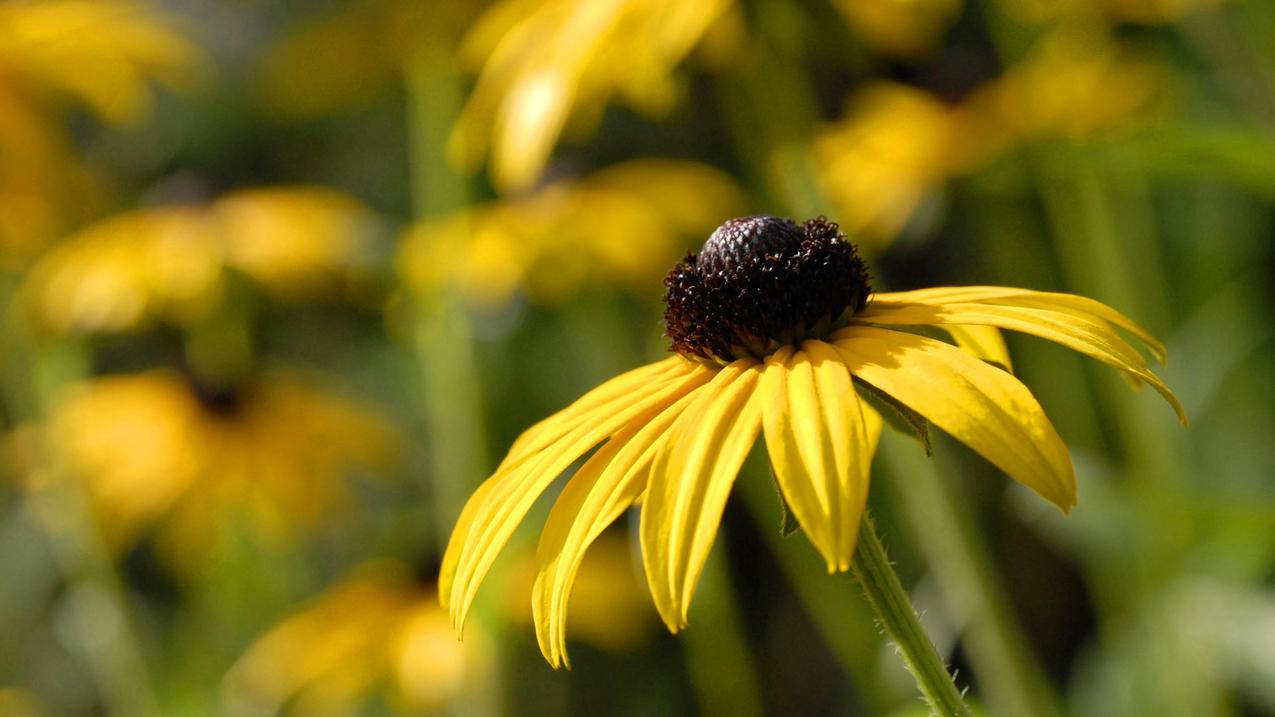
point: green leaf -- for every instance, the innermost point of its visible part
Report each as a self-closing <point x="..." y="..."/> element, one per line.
<point x="788" y="520"/>
<point x="896" y="415"/>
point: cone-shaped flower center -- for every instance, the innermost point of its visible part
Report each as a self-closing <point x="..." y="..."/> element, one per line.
<point x="760" y="283"/>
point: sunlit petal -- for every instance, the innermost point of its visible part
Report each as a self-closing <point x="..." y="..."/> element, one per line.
<point x="818" y="442"/>
<point x="608" y="483"/>
<point x="515" y="487"/>
<point x="1084" y="333"/>
<point x="690" y="481"/>
<point x="1009" y="296"/>
<point x="982" y="406"/>
<point x="984" y="342"/>
<point x="621" y="387"/>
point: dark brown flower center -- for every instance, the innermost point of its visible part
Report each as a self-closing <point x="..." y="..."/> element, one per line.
<point x="760" y="283"/>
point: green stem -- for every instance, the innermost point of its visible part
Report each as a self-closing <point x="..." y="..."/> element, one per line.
<point x="900" y="622"/>
<point x="452" y="401"/>
<point x="960" y="561"/>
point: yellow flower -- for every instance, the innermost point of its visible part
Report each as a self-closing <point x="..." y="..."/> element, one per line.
<point x="1076" y="82"/>
<point x="42" y="184"/>
<point x="620" y="225"/>
<point x="378" y="627"/>
<point x="354" y="51"/>
<point x="898" y="146"/>
<point x="902" y="28"/>
<point x="776" y="332"/>
<point x="102" y="53"/>
<point x="167" y="263"/>
<point x="152" y="449"/>
<point x="550" y="63"/>
<point x="895" y="148"/>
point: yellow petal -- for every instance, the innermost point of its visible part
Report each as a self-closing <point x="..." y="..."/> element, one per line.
<point x="1084" y="333"/>
<point x="817" y="438"/>
<point x="604" y="487"/>
<point x="619" y="388"/>
<point x="984" y="342"/>
<point x="1009" y="296"/>
<point x="986" y="408"/>
<point x="545" y="433"/>
<point x="690" y="480"/>
<point x="515" y="487"/>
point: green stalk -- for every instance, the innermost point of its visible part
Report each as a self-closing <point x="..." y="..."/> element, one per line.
<point x="452" y="400"/>
<point x="959" y="559"/>
<point x="899" y="620"/>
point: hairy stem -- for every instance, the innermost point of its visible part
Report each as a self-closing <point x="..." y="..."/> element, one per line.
<point x="899" y="619"/>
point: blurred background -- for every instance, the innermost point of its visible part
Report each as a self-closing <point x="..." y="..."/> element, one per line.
<point x="282" y="281"/>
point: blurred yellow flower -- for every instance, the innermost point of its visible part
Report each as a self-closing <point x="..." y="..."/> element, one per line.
<point x="154" y="450"/>
<point x="901" y="28"/>
<point x="102" y="53"/>
<point x="895" y="147"/>
<point x="1076" y="82"/>
<point x="377" y="628"/>
<point x="620" y="225"/>
<point x="354" y="51"/>
<point x="167" y="263"/>
<point x="550" y="63"/>
<point x="42" y="184"/>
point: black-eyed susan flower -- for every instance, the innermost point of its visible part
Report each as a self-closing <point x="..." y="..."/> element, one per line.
<point x="895" y="147"/>
<point x="104" y="55"/>
<point x="619" y="225"/>
<point x="550" y="65"/>
<point x="158" y="453"/>
<point x="378" y="628"/>
<point x="776" y="331"/>
<point x="168" y="263"/>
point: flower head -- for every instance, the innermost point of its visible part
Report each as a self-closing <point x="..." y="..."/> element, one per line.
<point x="377" y="628"/>
<point x="620" y="225"/>
<point x="169" y="263"/>
<point x="795" y="364"/>
<point x="546" y="65"/>
<point x="158" y="452"/>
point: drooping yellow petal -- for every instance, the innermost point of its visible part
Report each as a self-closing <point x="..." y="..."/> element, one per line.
<point x="817" y="438"/>
<point x="1010" y="296"/>
<point x="554" y="427"/>
<point x="986" y="408"/>
<point x="545" y="433"/>
<point x="690" y="480"/>
<point x="515" y="487"/>
<point x="1079" y="332"/>
<point x="984" y="342"/>
<point x="608" y="483"/>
